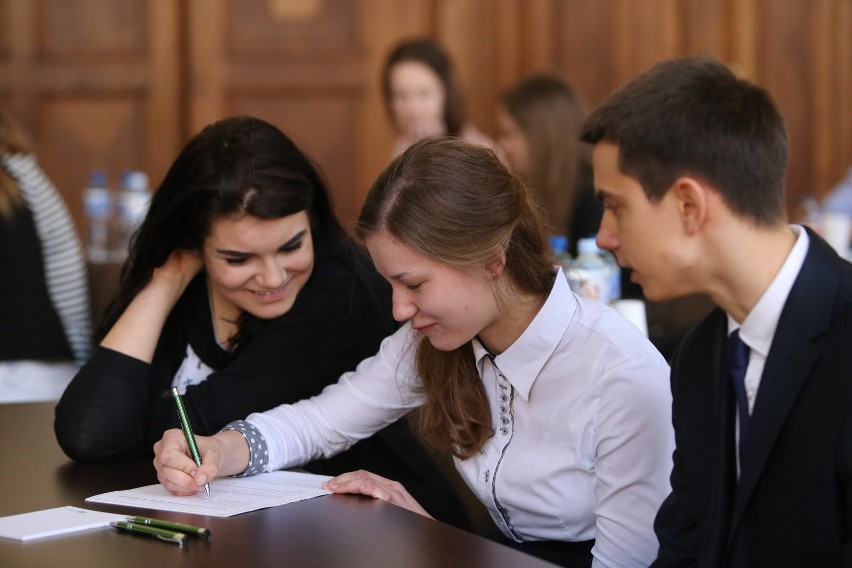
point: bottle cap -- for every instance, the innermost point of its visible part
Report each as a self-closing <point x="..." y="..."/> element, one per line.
<point x="135" y="181"/>
<point x="587" y="245"/>
<point x="98" y="179"/>
<point x="559" y="243"/>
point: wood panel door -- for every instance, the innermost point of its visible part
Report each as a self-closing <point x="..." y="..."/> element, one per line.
<point x="122" y="84"/>
<point x="799" y="50"/>
<point x="299" y="65"/>
<point x="95" y="84"/>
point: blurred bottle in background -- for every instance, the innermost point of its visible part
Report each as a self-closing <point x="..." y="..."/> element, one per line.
<point x="559" y="245"/>
<point x="98" y="206"/>
<point x="595" y="273"/>
<point x="133" y="200"/>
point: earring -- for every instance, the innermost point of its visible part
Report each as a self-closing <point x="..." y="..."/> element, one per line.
<point x="493" y="276"/>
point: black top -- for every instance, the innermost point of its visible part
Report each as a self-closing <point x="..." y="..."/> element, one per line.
<point x="29" y="325"/>
<point x="118" y="405"/>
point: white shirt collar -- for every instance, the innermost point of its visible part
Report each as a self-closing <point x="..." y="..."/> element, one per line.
<point x="523" y="361"/>
<point x="758" y="328"/>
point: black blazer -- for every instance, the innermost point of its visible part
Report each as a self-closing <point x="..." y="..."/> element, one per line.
<point x="793" y="504"/>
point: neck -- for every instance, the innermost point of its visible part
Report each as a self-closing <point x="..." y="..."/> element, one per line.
<point x="511" y="323"/>
<point x="224" y="315"/>
<point x="747" y="259"/>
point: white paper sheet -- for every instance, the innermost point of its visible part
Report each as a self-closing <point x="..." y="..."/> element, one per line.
<point x="51" y="522"/>
<point x="228" y="495"/>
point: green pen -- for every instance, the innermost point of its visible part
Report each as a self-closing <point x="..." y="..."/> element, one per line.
<point x="190" y="530"/>
<point x="177" y="538"/>
<point x="187" y="432"/>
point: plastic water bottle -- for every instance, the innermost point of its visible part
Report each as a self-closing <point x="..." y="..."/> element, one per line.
<point x="595" y="274"/>
<point x="614" y="274"/>
<point x="559" y="245"/>
<point x="97" y="203"/>
<point x="131" y="209"/>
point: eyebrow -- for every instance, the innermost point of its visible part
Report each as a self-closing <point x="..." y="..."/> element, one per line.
<point x="296" y="238"/>
<point x="602" y="194"/>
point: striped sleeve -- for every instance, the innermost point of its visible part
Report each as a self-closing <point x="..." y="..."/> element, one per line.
<point x="64" y="263"/>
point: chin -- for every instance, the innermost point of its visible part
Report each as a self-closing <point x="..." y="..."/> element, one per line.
<point x="269" y="312"/>
<point x="657" y="295"/>
<point x="444" y="345"/>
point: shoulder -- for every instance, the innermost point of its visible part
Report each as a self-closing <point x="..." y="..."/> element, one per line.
<point x="822" y="289"/>
<point x="343" y="273"/>
<point x="610" y="355"/>
<point x="600" y="327"/>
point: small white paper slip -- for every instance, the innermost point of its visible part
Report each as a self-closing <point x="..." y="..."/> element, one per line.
<point x="51" y="522"/>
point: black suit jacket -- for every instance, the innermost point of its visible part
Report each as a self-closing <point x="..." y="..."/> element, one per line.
<point x="792" y="506"/>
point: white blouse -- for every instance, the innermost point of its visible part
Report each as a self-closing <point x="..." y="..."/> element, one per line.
<point x="581" y="412"/>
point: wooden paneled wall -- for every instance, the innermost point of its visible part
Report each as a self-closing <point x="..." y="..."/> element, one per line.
<point x="122" y="84"/>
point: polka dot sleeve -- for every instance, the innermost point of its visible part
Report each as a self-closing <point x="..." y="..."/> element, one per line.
<point x="258" y="453"/>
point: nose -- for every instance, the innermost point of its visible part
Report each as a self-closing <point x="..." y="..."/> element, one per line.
<point x="271" y="274"/>
<point x="606" y="237"/>
<point x="403" y="308"/>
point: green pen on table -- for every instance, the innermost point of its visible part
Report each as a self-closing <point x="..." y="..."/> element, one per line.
<point x="187" y="432"/>
<point x="190" y="530"/>
<point x="173" y="537"/>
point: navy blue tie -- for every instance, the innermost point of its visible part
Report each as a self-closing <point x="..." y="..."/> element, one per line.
<point x="737" y="363"/>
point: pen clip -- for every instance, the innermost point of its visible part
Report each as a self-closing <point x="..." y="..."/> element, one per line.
<point x="178" y="539"/>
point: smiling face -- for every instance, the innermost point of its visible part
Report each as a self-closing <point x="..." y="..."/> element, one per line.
<point x="646" y="237"/>
<point x="445" y="305"/>
<point x="258" y="265"/>
<point x="417" y="98"/>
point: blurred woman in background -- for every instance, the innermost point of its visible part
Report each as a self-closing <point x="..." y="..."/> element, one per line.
<point x="539" y="120"/>
<point x="422" y="95"/>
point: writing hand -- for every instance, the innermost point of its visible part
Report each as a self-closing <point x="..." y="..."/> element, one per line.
<point x="177" y="471"/>
<point x="366" y="483"/>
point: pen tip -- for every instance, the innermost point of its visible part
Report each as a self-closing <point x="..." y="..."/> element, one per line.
<point x="207" y="489"/>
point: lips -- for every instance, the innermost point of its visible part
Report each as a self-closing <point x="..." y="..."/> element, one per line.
<point x="268" y="293"/>
<point x="424" y="328"/>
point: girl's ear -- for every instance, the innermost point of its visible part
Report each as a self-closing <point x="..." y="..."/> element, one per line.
<point x="495" y="268"/>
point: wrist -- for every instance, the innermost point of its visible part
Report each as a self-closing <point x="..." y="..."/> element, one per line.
<point x="243" y="449"/>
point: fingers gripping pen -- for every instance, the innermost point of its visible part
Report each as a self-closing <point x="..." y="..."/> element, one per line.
<point x="187" y="432"/>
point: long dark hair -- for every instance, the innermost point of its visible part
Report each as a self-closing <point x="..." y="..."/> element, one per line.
<point x="237" y="166"/>
<point x="432" y="55"/>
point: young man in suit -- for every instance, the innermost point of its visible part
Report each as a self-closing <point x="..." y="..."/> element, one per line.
<point x="690" y="161"/>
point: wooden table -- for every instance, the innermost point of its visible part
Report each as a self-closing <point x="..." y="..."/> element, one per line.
<point x="329" y="531"/>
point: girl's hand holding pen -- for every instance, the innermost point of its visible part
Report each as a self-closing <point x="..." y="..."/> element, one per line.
<point x="225" y="453"/>
<point x="176" y="469"/>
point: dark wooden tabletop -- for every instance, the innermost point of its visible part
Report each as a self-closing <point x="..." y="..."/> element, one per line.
<point x="329" y="531"/>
